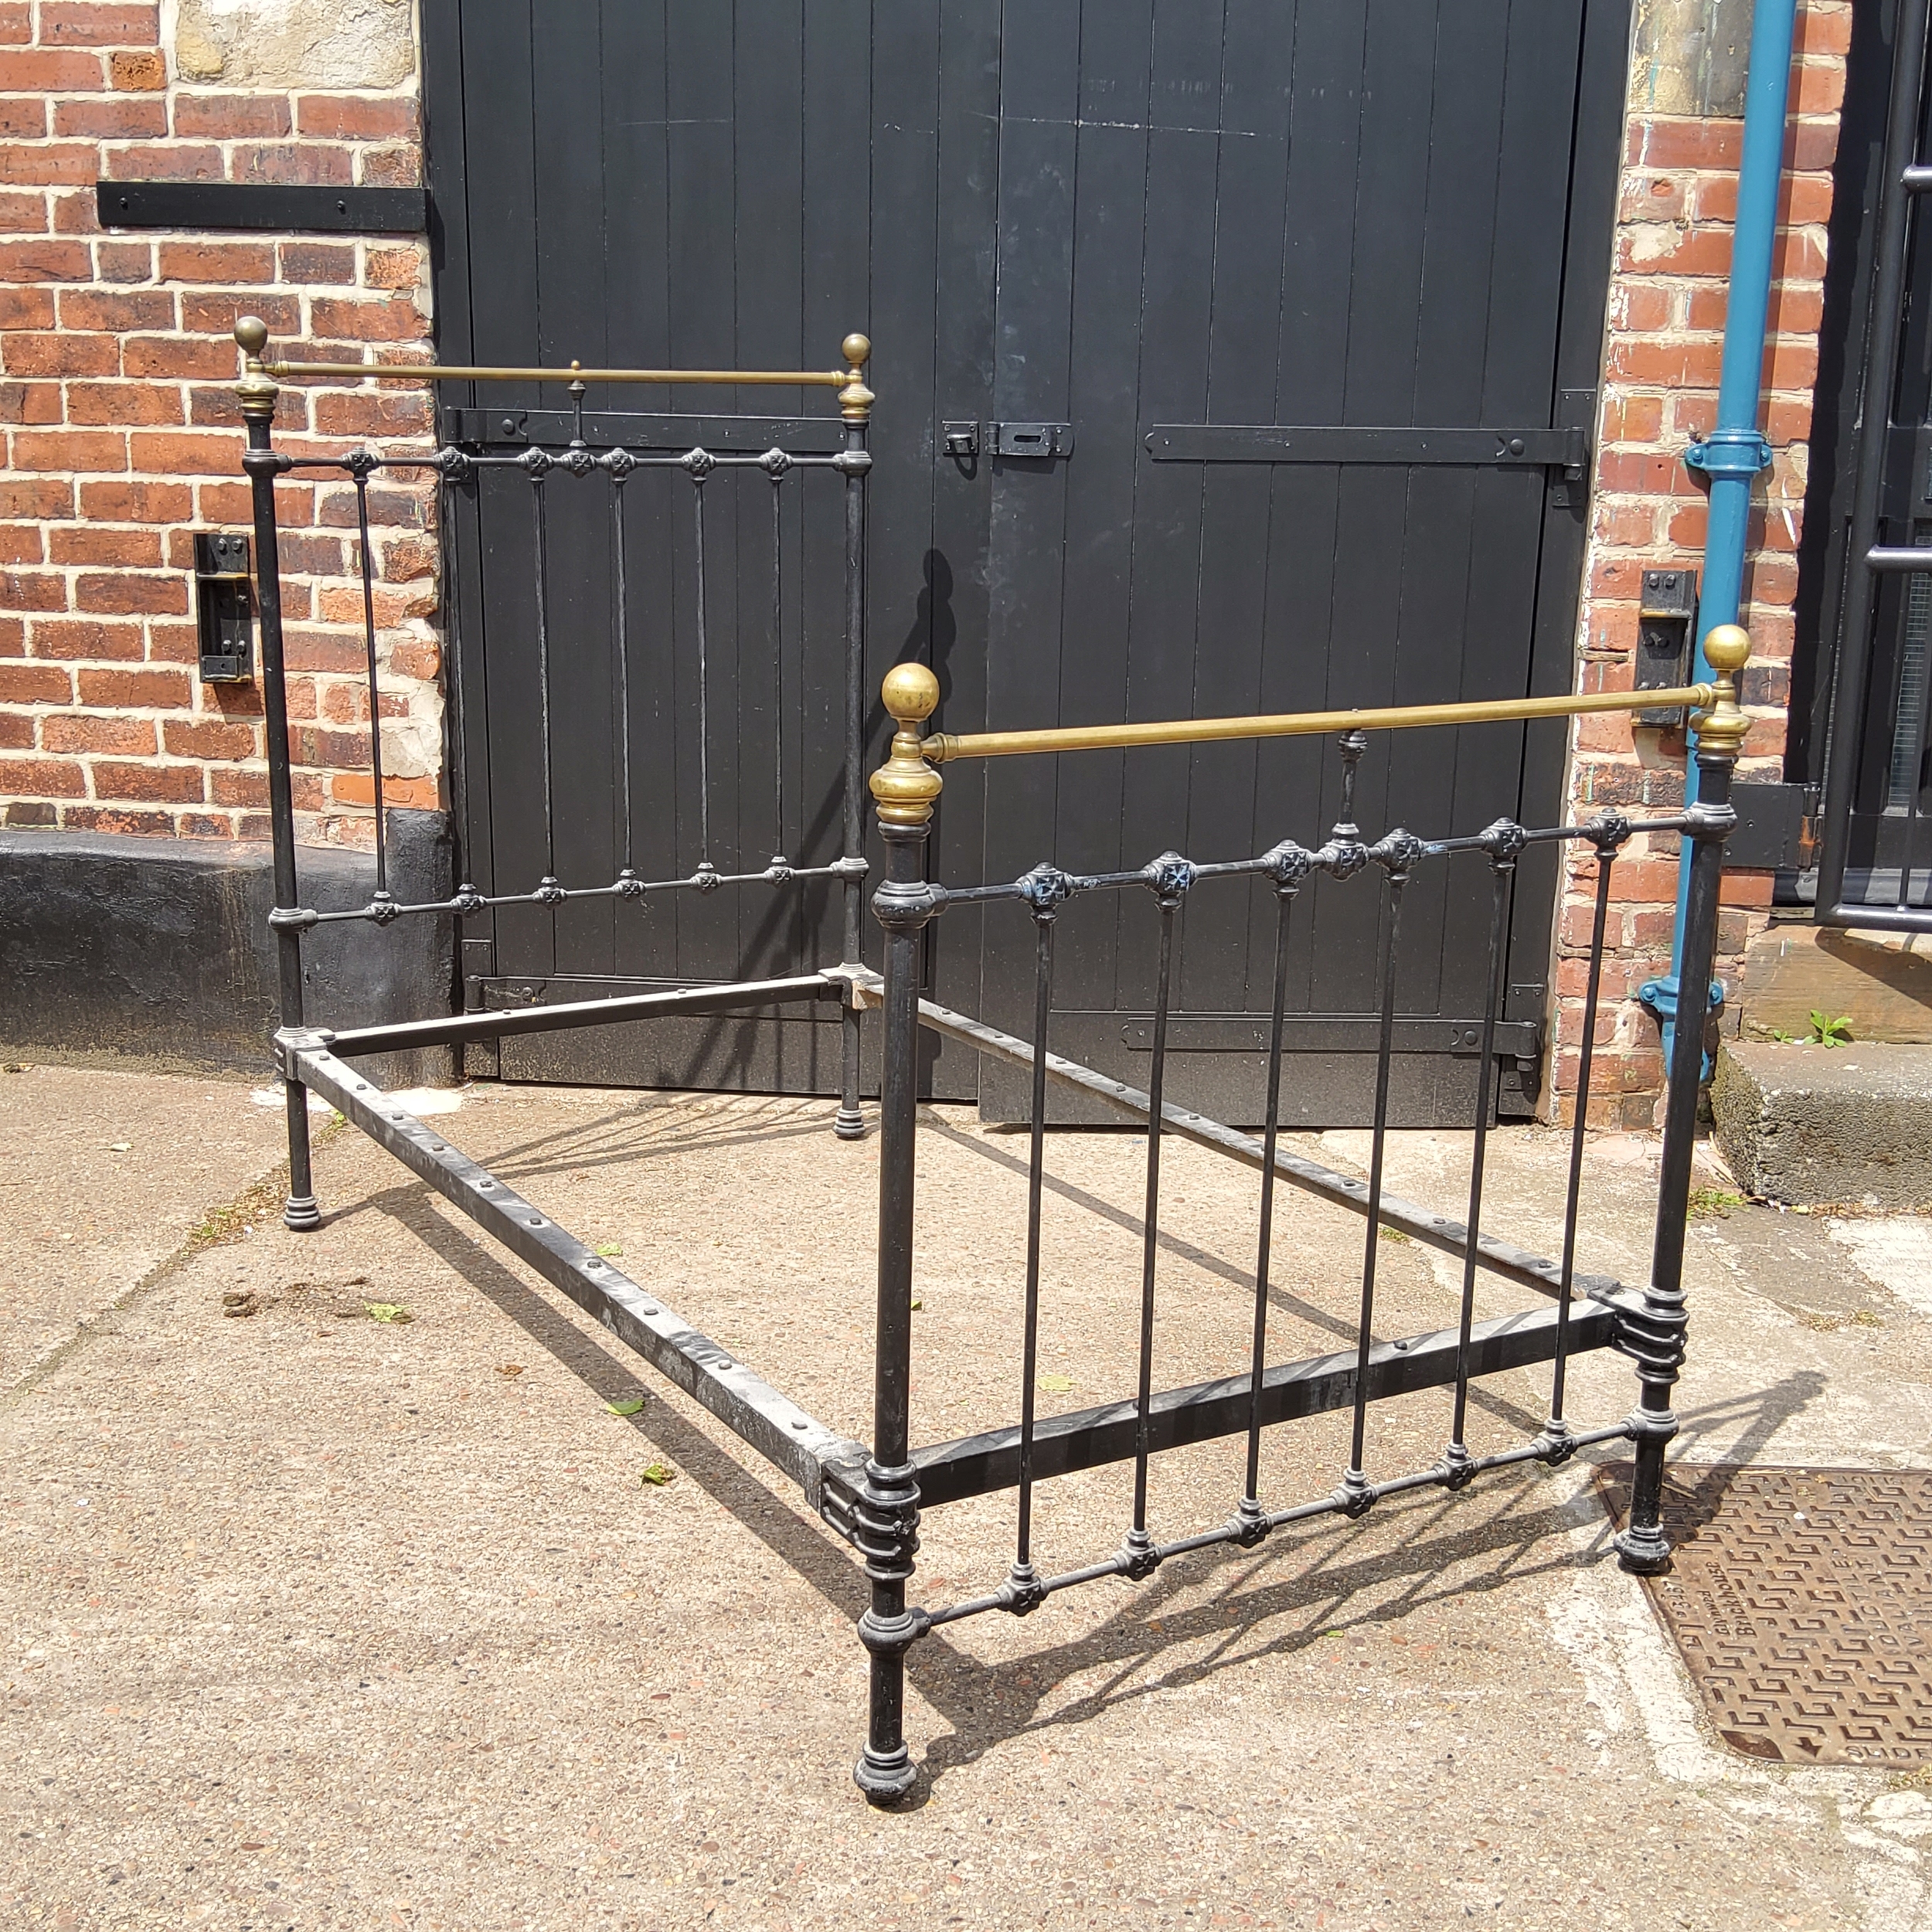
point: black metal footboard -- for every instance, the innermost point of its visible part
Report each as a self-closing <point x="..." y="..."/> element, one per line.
<point x="1588" y="1312"/>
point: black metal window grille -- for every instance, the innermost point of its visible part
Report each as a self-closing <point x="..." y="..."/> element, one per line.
<point x="1875" y="859"/>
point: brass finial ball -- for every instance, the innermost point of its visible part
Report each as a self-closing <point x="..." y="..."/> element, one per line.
<point x="911" y="693"/>
<point x="1727" y="649"/>
<point x="252" y="333"/>
<point x="856" y="349"/>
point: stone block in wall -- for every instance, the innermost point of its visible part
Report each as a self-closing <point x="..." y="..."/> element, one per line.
<point x="295" y="43"/>
<point x="1692" y="57"/>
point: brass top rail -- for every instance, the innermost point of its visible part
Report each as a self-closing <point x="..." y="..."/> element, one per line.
<point x="906" y="785"/>
<point x="465" y="372"/>
<point x="941" y="747"/>
<point x="259" y="377"/>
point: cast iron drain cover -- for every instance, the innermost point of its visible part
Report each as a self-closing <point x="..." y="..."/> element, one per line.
<point x="1801" y="1600"/>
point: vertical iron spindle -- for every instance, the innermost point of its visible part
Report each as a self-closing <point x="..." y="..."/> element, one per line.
<point x="1397" y="854"/>
<point x="359" y="467"/>
<point x="1048" y="888"/>
<point x="619" y="474"/>
<point x="1169" y="876"/>
<point x="536" y="464"/>
<point x="777" y="665"/>
<point x="698" y="463"/>
<point x="1502" y="842"/>
<point x="1608" y="832"/>
<point x="1288" y="866"/>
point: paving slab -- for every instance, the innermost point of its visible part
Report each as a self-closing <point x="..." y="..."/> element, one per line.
<point x="103" y="1176"/>
<point x="314" y="1619"/>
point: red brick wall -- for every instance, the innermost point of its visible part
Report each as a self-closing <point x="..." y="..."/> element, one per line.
<point x="117" y="374"/>
<point x="1673" y="248"/>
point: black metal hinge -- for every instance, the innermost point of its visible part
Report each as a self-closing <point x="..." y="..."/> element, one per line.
<point x="271" y="207"/>
<point x="1567" y="449"/>
<point x="1329" y="1033"/>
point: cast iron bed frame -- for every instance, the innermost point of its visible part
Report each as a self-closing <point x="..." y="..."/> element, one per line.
<point x="870" y="1495"/>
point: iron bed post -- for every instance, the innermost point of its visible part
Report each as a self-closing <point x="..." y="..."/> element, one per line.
<point x="886" y="1516"/>
<point x="1652" y="1331"/>
<point x="854" y="462"/>
<point x="257" y="391"/>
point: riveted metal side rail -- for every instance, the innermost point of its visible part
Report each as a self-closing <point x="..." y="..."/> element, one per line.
<point x="1503" y="1258"/>
<point x="745" y="996"/>
<point x="781" y="1432"/>
<point x="1091" y="1438"/>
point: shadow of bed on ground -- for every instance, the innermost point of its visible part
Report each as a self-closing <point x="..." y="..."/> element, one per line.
<point x="1519" y="1535"/>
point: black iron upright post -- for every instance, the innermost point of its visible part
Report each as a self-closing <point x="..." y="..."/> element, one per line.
<point x="257" y="391"/>
<point x="1652" y="1333"/>
<point x="887" y="1512"/>
<point x="855" y="460"/>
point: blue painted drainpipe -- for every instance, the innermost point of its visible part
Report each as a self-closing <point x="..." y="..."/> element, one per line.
<point x="1736" y="449"/>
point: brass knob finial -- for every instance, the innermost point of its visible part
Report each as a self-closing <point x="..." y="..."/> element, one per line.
<point x="906" y="784"/>
<point x="1728" y="648"/>
<point x="257" y="388"/>
<point x="854" y="400"/>
<point x="1721" y="729"/>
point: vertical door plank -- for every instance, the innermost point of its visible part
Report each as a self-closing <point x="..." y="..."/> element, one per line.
<point x="953" y="575"/>
<point x="1109" y="268"/>
<point x="1039" y="94"/>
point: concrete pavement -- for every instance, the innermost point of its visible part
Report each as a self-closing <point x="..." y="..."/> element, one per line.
<point x="314" y="1619"/>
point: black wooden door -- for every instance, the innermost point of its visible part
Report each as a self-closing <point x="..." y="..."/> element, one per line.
<point x="1150" y="221"/>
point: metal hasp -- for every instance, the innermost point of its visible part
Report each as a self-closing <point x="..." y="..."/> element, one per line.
<point x="1041" y="440"/>
<point x="1894" y="816"/>
<point x="224" y="607"/>
<point x="1666" y="611"/>
<point x="1736" y="449"/>
<point x="899" y="1481"/>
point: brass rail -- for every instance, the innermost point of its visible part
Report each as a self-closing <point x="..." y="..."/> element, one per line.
<point x="464" y="372"/>
<point x="942" y="747"/>
<point x="854" y="400"/>
<point x="906" y="785"/>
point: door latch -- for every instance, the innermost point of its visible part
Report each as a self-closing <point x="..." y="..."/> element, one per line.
<point x="1666" y="615"/>
<point x="224" y="607"/>
<point x="1045" y="440"/>
<point x="962" y="440"/>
